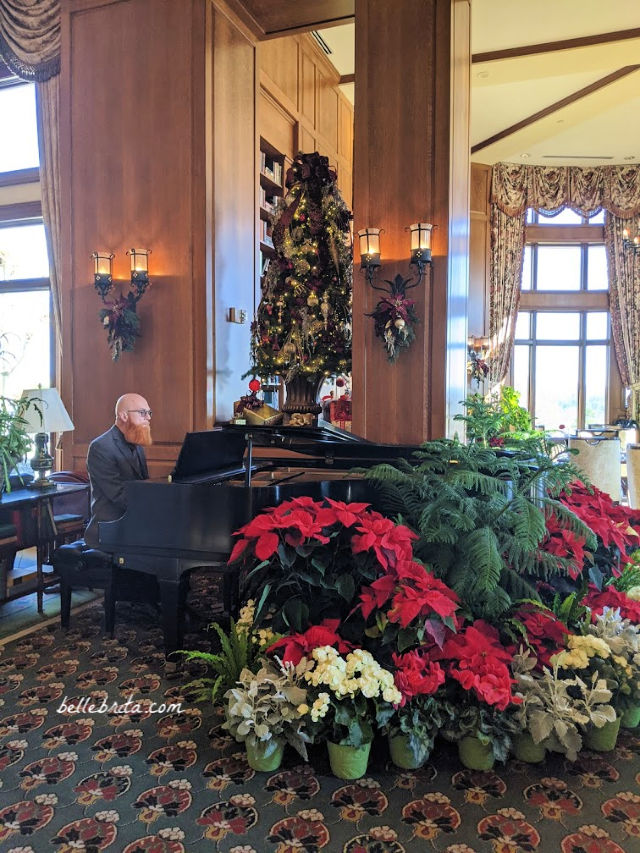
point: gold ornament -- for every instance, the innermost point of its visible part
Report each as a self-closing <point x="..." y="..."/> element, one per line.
<point x="312" y="299"/>
<point x="399" y="323"/>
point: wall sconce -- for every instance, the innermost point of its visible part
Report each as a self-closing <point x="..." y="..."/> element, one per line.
<point x="369" y="251"/>
<point x="631" y="243"/>
<point x="394" y="315"/>
<point x="420" y="245"/>
<point x="103" y="281"/>
<point x="478" y="351"/>
<point x="139" y="268"/>
<point x="119" y="316"/>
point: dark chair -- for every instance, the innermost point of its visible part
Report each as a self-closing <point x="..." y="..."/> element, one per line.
<point x="9" y="545"/>
<point x="81" y="567"/>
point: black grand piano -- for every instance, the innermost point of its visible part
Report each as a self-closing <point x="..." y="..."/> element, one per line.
<point x="222" y="478"/>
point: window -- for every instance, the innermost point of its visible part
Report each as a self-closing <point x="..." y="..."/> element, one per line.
<point x="25" y="299"/>
<point x="561" y="356"/>
<point x="19" y="137"/>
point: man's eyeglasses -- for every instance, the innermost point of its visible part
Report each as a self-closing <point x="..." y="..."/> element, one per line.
<point x="146" y="413"/>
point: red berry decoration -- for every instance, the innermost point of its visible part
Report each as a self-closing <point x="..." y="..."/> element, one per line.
<point x="254" y="385"/>
<point x="340" y="382"/>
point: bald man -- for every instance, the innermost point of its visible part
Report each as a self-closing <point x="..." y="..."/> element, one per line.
<point x="115" y="457"/>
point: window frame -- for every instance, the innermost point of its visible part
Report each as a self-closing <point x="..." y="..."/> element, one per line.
<point x="578" y="301"/>
<point x="14" y="214"/>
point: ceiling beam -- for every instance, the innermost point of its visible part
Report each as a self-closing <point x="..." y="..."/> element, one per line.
<point x="288" y="17"/>
<point x="558" y="105"/>
<point x="551" y="46"/>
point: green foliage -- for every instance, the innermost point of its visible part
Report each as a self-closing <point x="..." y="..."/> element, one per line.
<point x="499" y="419"/>
<point x="630" y="575"/>
<point x="420" y="720"/>
<point x="569" y="609"/>
<point x="14" y="438"/>
<point x="238" y="652"/>
<point x="488" y="724"/>
<point x="480" y="516"/>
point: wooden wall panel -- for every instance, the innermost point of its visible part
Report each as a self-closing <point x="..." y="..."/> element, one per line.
<point x="235" y="204"/>
<point x="479" y="250"/>
<point x="327" y="110"/>
<point x="307" y="88"/>
<point x="132" y="161"/>
<point x="276" y="125"/>
<point x="307" y="139"/>
<point x="279" y="61"/>
<point x="402" y="152"/>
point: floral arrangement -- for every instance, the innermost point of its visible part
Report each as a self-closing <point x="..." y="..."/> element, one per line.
<point x="373" y="642"/>
<point x="268" y="706"/>
<point x="477" y="368"/>
<point x="120" y="318"/>
<point x="313" y="556"/>
<point x="348" y="693"/>
<point x="555" y="709"/>
<point x="395" y="317"/>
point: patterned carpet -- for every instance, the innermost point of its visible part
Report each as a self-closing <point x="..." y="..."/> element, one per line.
<point x="168" y="782"/>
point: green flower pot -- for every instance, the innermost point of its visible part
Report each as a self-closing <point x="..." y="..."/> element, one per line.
<point x="526" y="749"/>
<point x="402" y="755"/>
<point x="603" y="739"/>
<point x="474" y="754"/>
<point x="631" y="718"/>
<point x="265" y="756"/>
<point x="348" y="762"/>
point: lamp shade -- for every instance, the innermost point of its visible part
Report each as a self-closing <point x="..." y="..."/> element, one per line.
<point x="46" y="412"/>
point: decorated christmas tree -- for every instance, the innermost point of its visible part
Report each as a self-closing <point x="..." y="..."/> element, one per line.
<point x="302" y="330"/>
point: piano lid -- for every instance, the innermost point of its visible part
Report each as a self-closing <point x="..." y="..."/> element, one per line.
<point x="204" y="453"/>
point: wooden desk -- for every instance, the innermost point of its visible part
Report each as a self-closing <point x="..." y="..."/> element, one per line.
<point x="37" y="526"/>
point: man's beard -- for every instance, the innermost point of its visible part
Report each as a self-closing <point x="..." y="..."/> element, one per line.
<point x="138" y="434"/>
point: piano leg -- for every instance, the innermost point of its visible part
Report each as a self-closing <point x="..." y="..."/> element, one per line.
<point x="170" y="595"/>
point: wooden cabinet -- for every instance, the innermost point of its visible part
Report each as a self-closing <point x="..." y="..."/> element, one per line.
<point x="272" y="168"/>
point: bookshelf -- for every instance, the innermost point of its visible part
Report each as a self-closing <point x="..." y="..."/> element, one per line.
<point x="270" y="189"/>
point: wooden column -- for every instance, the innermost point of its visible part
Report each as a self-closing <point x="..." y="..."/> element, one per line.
<point x="411" y="163"/>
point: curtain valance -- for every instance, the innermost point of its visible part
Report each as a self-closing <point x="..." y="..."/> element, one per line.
<point x="515" y="187"/>
<point x="30" y="37"/>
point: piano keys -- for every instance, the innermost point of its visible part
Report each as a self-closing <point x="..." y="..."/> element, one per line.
<point x="223" y="478"/>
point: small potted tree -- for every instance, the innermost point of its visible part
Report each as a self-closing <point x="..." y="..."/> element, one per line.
<point x="265" y="710"/>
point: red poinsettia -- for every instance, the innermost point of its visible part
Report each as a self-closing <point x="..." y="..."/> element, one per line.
<point x="414" y="594"/>
<point x="546" y="634"/>
<point x="597" y="600"/>
<point x="564" y="543"/>
<point x="302" y="518"/>
<point x="415" y="675"/>
<point x="297" y="646"/>
<point x="613" y="523"/>
<point x="480" y="664"/>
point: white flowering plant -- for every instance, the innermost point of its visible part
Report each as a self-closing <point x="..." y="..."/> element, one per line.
<point x="348" y="697"/>
<point x="623" y="639"/>
<point x="556" y="707"/>
<point x="241" y="648"/>
<point x="269" y="706"/>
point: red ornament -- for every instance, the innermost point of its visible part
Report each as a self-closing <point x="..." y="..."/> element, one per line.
<point x="340" y="382"/>
<point x="254" y="385"/>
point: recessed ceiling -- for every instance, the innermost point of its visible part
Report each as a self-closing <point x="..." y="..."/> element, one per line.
<point x="563" y="104"/>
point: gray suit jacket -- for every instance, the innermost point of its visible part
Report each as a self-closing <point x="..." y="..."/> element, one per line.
<point x="111" y="464"/>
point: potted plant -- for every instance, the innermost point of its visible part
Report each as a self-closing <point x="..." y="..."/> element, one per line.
<point x="14" y="439"/>
<point x="422" y="712"/>
<point x="241" y="648"/>
<point x="480" y="688"/>
<point x="306" y="560"/>
<point x="265" y="710"/>
<point x="556" y="708"/>
<point x="622" y="667"/>
<point x="349" y="697"/>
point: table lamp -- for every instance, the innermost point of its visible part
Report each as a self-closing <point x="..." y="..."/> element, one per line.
<point x="44" y="414"/>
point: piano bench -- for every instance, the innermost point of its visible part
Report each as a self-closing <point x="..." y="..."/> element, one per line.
<point x="80" y="567"/>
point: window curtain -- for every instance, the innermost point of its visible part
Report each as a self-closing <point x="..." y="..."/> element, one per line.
<point x="30" y="46"/>
<point x="514" y="188"/>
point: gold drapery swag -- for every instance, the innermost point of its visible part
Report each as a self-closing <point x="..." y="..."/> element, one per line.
<point x="30" y="38"/>
<point x="548" y="189"/>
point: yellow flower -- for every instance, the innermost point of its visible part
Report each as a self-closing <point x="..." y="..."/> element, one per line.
<point x="303" y="709"/>
<point x="634" y="593"/>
